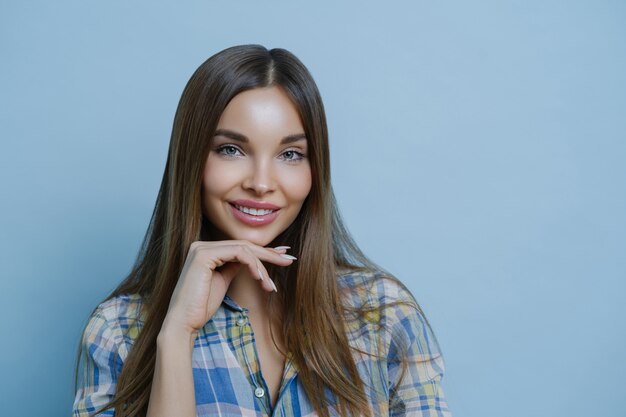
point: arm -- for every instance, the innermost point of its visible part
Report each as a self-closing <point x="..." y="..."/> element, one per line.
<point x="102" y="353"/>
<point x="207" y="273"/>
<point x="104" y="350"/>
<point x="199" y="291"/>
<point x="172" y="391"/>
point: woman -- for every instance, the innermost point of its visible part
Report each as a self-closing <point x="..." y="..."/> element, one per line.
<point x="218" y="317"/>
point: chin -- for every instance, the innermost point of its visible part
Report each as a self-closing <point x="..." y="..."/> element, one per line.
<point x="258" y="237"/>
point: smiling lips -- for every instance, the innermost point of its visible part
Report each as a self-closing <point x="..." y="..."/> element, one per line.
<point x="254" y="213"/>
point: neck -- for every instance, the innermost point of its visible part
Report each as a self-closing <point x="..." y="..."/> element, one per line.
<point x="246" y="291"/>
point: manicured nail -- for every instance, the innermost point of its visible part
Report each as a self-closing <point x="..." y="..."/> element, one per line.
<point x="273" y="285"/>
<point x="291" y="258"/>
<point x="260" y="273"/>
<point x="282" y="247"/>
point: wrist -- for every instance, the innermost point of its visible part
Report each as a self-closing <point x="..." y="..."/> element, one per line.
<point x="176" y="336"/>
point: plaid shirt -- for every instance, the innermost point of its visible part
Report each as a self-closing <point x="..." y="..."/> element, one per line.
<point x="227" y="373"/>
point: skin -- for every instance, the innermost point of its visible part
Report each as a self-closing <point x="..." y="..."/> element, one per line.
<point x="269" y="166"/>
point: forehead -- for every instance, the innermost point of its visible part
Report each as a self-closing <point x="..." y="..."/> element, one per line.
<point x="267" y="109"/>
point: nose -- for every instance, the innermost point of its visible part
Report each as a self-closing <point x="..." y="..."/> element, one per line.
<point x="260" y="180"/>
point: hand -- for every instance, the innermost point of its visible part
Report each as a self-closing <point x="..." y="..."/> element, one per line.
<point x="201" y="286"/>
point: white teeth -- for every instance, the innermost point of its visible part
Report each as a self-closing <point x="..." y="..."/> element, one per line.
<point x="253" y="211"/>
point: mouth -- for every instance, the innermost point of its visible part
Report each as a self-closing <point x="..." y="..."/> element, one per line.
<point x="254" y="213"/>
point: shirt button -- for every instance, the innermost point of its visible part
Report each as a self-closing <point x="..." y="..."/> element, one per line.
<point x="241" y="321"/>
<point x="259" y="392"/>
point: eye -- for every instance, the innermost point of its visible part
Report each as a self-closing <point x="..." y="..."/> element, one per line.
<point x="228" y="150"/>
<point x="292" y="155"/>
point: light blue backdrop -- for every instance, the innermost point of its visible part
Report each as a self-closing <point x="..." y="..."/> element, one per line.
<point x="478" y="150"/>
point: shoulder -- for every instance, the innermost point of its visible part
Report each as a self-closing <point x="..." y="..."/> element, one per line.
<point x="370" y="289"/>
<point x="116" y="321"/>
<point x="383" y="305"/>
<point x="121" y="310"/>
<point x="126" y="306"/>
<point x="108" y="337"/>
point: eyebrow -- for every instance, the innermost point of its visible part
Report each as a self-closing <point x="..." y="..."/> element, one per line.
<point x="243" y="139"/>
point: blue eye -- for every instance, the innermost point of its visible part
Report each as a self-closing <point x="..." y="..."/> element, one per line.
<point x="228" y="150"/>
<point x="292" y="155"/>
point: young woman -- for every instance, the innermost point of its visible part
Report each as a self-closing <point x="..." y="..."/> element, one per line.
<point x="249" y="298"/>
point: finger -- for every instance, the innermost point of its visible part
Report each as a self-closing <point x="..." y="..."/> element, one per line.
<point x="268" y="282"/>
<point x="282" y="249"/>
<point x="271" y="255"/>
<point x="275" y="255"/>
<point x="282" y="260"/>
<point x="244" y="255"/>
<point x="254" y="265"/>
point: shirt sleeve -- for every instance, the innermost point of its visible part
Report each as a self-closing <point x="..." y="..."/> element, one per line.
<point x="100" y="365"/>
<point x="416" y="390"/>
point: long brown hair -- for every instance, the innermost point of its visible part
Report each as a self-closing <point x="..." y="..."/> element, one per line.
<point x="317" y="236"/>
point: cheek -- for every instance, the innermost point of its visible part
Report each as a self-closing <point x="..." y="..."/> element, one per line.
<point x="298" y="184"/>
<point x="217" y="179"/>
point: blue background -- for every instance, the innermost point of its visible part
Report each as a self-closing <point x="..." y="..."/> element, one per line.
<point x="478" y="152"/>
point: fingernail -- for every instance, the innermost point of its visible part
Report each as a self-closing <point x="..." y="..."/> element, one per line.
<point x="273" y="285"/>
<point x="282" y="247"/>
<point x="260" y="273"/>
<point x="291" y="258"/>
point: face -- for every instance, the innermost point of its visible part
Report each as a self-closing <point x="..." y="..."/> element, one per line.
<point x="257" y="174"/>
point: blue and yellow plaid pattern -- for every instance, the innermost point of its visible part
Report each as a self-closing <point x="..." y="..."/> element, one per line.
<point x="227" y="373"/>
